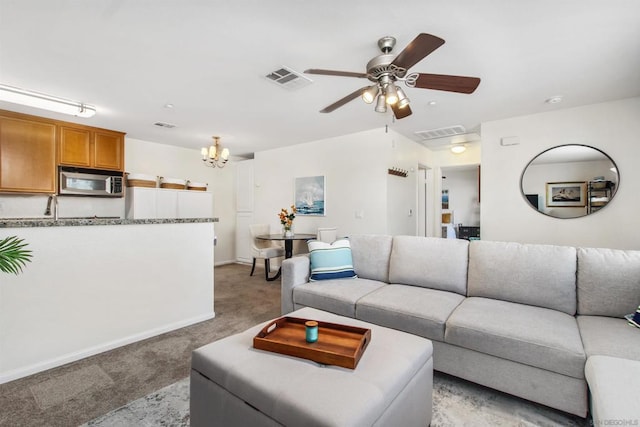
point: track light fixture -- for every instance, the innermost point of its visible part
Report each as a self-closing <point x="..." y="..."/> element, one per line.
<point x="46" y="102"/>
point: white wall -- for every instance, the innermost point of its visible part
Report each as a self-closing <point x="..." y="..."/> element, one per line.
<point x="357" y="182"/>
<point x="612" y="127"/>
<point x="177" y="162"/>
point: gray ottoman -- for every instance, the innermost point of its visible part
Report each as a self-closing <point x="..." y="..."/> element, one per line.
<point x="233" y="384"/>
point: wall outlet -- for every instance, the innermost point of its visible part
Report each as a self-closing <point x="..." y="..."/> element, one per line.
<point x="359" y="214"/>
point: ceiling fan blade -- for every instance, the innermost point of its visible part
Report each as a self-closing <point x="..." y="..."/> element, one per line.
<point x="335" y="73"/>
<point x="449" y="83"/>
<point x="343" y="101"/>
<point x="401" y="113"/>
<point x="415" y="51"/>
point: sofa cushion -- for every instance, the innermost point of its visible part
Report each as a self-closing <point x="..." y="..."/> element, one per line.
<point x="336" y="296"/>
<point x="371" y="256"/>
<point x="536" y="336"/>
<point x="540" y="275"/>
<point x="608" y="282"/>
<point x="330" y="260"/>
<point x="430" y="262"/>
<point x="614" y="396"/>
<point x="413" y="309"/>
<point x="608" y="336"/>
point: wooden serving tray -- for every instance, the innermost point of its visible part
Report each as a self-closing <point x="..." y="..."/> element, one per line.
<point x="339" y="345"/>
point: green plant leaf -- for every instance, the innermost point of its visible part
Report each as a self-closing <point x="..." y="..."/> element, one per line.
<point x="13" y="256"/>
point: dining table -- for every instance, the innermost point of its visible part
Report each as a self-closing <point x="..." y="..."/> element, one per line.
<point x="288" y="246"/>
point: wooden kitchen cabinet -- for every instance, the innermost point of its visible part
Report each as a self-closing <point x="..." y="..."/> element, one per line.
<point x="91" y="148"/>
<point x="27" y="154"/>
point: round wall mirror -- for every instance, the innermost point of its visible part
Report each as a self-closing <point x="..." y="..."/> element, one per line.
<point x="569" y="181"/>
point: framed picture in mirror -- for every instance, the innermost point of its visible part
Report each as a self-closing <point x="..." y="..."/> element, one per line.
<point x="566" y="194"/>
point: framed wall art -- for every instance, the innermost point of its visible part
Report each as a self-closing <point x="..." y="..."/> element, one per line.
<point x="566" y="194"/>
<point x="310" y="195"/>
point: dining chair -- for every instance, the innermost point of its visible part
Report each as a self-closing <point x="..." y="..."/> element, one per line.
<point x="263" y="249"/>
<point x="328" y="235"/>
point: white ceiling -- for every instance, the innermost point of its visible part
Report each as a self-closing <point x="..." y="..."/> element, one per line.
<point x="208" y="58"/>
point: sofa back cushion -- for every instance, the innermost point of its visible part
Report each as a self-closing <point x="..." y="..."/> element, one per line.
<point x="538" y="275"/>
<point x="430" y="262"/>
<point x="370" y="255"/>
<point x="608" y="282"/>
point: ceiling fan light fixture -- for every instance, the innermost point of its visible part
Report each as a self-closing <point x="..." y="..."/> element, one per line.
<point x="403" y="101"/>
<point x="391" y="93"/>
<point x="369" y="94"/>
<point x="381" y="104"/>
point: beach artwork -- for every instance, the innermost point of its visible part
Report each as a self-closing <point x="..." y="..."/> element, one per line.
<point x="566" y="194"/>
<point x="310" y="195"/>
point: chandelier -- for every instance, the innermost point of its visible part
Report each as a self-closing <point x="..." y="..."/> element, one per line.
<point x="215" y="155"/>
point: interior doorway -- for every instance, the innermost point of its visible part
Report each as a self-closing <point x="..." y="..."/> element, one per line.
<point x="461" y="185"/>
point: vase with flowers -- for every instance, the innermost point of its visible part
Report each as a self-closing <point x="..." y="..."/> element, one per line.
<point x="286" y="219"/>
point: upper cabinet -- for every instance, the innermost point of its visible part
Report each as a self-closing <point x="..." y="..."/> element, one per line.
<point x="91" y="148"/>
<point x="32" y="147"/>
<point x="27" y="154"/>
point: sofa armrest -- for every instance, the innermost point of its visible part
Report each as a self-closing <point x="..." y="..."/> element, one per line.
<point x="295" y="271"/>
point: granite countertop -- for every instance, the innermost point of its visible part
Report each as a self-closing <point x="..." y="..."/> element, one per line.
<point x="81" y="221"/>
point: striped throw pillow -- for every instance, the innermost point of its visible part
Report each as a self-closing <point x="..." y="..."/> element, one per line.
<point x="330" y="260"/>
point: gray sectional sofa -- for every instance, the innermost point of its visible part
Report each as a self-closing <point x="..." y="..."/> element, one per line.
<point x="524" y="319"/>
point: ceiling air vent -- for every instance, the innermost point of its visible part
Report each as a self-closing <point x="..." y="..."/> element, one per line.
<point x="442" y="132"/>
<point x="288" y="78"/>
<point x="165" y="125"/>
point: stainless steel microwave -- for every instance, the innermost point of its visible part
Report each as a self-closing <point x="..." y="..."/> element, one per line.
<point x="90" y="182"/>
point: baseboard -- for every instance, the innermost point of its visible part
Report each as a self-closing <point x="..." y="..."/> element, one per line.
<point x="218" y="264"/>
<point x="91" y="351"/>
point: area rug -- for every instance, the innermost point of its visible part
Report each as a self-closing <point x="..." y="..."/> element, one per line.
<point x="168" y="406"/>
<point x="455" y="403"/>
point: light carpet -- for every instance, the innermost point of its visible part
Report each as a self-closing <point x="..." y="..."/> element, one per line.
<point x="455" y="403"/>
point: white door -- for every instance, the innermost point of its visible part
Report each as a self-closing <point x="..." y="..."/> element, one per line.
<point x="243" y="236"/>
<point x="244" y="186"/>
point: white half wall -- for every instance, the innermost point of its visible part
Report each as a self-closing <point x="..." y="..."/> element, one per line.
<point x="612" y="127"/>
<point x="89" y="289"/>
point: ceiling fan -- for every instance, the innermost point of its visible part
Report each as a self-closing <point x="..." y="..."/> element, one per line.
<point x="386" y="70"/>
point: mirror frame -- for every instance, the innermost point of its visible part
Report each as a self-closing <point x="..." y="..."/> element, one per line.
<point x="524" y="195"/>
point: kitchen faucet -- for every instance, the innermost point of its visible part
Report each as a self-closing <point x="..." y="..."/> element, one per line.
<point x="47" y="212"/>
